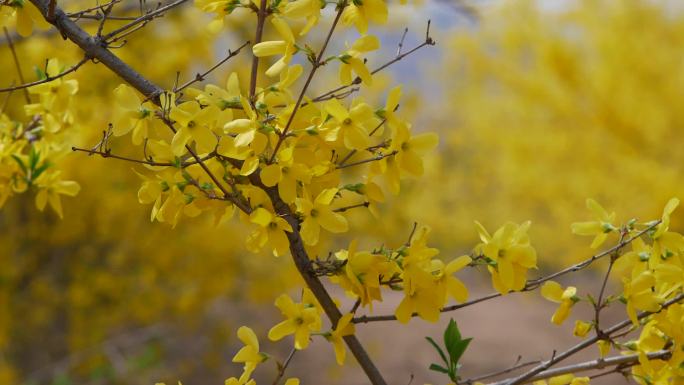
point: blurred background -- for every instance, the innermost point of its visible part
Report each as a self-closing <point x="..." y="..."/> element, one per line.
<point x="539" y="105"/>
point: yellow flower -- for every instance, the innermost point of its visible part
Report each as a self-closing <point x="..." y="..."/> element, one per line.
<point x="310" y="9"/>
<point x="352" y="124"/>
<point x="361" y="275"/>
<point x="422" y="294"/>
<point x="391" y="104"/>
<point x="131" y="114"/>
<point x="581" y="328"/>
<point x="151" y="192"/>
<point x="360" y="13"/>
<point x="344" y="328"/>
<point x="301" y="319"/>
<point x="450" y="285"/>
<point x="352" y="60"/>
<point x="411" y="149"/>
<point x="510" y="251"/>
<point x="196" y="124"/>
<point x="600" y="227"/>
<point x="285" y="47"/>
<point x="271" y="228"/>
<point x="248" y="154"/>
<point x="285" y="173"/>
<point x="553" y="291"/>
<point x="249" y="354"/>
<point x="50" y="187"/>
<point x="318" y="214"/>
<point x="604" y="347"/>
<point x="639" y="293"/>
<point x="55" y="95"/>
<point x="224" y="98"/>
<point x="665" y="241"/>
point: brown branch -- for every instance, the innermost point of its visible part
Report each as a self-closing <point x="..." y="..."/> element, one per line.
<point x="600" y="363"/>
<point x="108" y="154"/>
<point x="94" y="49"/>
<point x="51" y="9"/>
<point x="525" y="377"/>
<point x="261" y="20"/>
<point x="200" y="77"/>
<point x="302" y="262"/>
<point x="48" y="78"/>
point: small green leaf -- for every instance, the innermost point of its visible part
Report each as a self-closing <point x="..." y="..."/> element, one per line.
<point x="40" y="170"/>
<point x="39" y="72"/>
<point x="439" y="350"/>
<point x="438" y="368"/>
<point x="451" y="334"/>
<point x="457" y="350"/>
<point x="21" y="163"/>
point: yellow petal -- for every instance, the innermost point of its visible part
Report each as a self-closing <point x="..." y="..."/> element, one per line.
<point x="552" y="291"/>
<point x="333" y="222"/>
<point x="269" y="48"/>
<point x="270" y="175"/>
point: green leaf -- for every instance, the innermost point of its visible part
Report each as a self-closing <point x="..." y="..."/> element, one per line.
<point x="34" y="157"/>
<point x="21" y="163"/>
<point x="438" y="368"/>
<point x="454" y="342"/>
<point x="40" y="73"/>
<point x="457" y="350"/>
<point x="40" y="170"/>
<point x="451" y="334"/>
<point x="439" y="350"/>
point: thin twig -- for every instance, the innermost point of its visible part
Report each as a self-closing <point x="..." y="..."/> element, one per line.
<point x="47" y="79"/>
<point x="282" y="368"/>
<point x="108" y="154"/>
<point x="261" y="20"/>
<point x="598" y="364"/>
<point x="513" y="368"/>
<point x="352" y="152"/>
<point x="143" y="19"/>
<point x="16" y="64"/>
<point x="373" y="159"/>
<point x="200" y="77"/>
<point x="428" y="42"/>
<point x="345" y="208"/>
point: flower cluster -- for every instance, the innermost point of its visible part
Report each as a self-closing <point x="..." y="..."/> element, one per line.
<point x="31" y="148"/>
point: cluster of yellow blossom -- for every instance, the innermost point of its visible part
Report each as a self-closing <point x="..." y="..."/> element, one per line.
<point x="252" y="143"/>
<point x="652" y="275"/>
<point x="427" y="282"/>
<point x="30" y="147"/>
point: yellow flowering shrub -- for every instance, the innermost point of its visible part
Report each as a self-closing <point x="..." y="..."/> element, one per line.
<point x="283" y="171"/>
